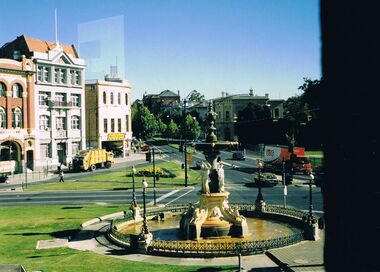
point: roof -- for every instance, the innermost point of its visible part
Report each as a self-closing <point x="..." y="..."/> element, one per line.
<point x="275" y="103"/>
<point x="36" y="45"/>
<point x="167" y="93"/>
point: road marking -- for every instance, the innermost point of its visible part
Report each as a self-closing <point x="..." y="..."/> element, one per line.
<point x="180" y="196"/>
<point x="163" y="197"/>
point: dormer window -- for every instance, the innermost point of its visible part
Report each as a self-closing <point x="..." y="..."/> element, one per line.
<point x="16" y="55"/>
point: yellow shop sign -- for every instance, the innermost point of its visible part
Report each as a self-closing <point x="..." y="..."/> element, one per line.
<point x="116" y="136"/>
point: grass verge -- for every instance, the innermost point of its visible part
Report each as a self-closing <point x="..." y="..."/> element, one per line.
<point x="122" y="180"/>
<point x="22" y="227"/>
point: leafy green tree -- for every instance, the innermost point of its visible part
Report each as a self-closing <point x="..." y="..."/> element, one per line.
<point x="190" y="128"/>
<point x="161" y="126"/>
<point x="172" y="130"/>
<point x="143" y="122"/>
<point x="196" y="97"/>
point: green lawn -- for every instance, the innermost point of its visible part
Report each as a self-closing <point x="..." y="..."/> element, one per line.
<point x="122" y="180"/>
<point x="22" y="227"/>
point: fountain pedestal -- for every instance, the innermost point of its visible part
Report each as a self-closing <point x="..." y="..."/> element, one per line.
<point x="213" y="218"/>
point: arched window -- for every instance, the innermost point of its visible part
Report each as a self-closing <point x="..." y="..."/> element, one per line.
<point x="75" y="122"/>
<point x="17" y="90"/>
<point x="112" y="98"/>
<point x="17" y="118"/>
<point x="2" y="89"/>
<point x="3" y="118"/>
<point x="118" y="98"/>
<point x="104" y="98"/>
<point x="126" y="99"/>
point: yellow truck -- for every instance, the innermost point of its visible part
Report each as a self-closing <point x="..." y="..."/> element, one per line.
<point x="91" y="159"/>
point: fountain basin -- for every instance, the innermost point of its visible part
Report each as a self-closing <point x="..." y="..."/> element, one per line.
<point x="277" y="227"/>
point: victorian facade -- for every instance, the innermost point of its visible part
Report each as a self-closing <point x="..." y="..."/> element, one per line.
<point x="59" y="98"/>
<point x="17" y="143"/>
<point x="108" y="111"/>
<point x="227" y="108"/>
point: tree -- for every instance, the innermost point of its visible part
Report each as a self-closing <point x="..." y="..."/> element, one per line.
<point x="143" y="121"/>
<point x="190" y="128"/>
<point x="196" y="97"/>
<point x="172" y="130"/>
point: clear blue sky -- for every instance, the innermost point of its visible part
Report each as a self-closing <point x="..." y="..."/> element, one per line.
<point x="207" y="45"/>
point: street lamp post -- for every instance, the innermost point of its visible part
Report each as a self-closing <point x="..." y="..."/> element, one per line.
<point x="154" y="179"/>
<point x="145" y="226"/>
<point x="284" y="181"/>
<point x="134" y="203"/>
<point x="259" y="202"/>
<point x="311" y="218"/>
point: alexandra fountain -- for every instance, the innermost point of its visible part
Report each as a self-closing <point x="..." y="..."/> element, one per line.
<point x="212" y="217"/>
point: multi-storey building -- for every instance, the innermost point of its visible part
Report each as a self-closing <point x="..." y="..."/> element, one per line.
<point x="166" y="100"/>
<point x="17" y="144"/>
<point x="108" y="111"/>
<point x="227" y="108"/>
<point x="59" y="98"/>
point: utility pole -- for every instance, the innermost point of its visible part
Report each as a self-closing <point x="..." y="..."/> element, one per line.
<point x="185" y="145"/>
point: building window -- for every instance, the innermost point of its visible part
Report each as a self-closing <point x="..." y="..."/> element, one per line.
<point x="44" y="122"/>
<point x="118" y="98"/>
<point x="17" y="91"/>
<point x="104" y="98"/>
<point x="61" y="123"/>
<point x="43" y="98"/>
<point x="45" y="151"/>
<point x="46" y="74"/>
<point x="77" y="78"/>
<point x="126" y="99"/>
<point x="105" y="125"/>
<point x="111" y="98"/>
<point x="56" y="74"/>
<point x="276" y="113"/>
<point x="112" y="125"/>
<point x="2" y="89"/>
<point x="227" y="115"/>
<point x="60" y="99"/>
<point x="63" y="76"/>
<point x="3" y="118"/>
<point x="72" y="77"/>
<point x="17" y="118"/>
<point x="119" y="125"/>
<point x="39" y="73"/>
<point x="75" y="100"/>
<point x="75" y="122"/>
<point x="127" y="123"/>
<point x="75" y="147"/>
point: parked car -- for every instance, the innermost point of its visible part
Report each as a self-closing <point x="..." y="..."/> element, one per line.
<point x="266" y="179"/>
<point x="238" y="155"/>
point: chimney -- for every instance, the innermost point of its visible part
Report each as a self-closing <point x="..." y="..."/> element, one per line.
<point x="178" y="92"/>
<point x="222" y="94"/>
<point x="267" y="95"/>
<point x="251" y="92"/>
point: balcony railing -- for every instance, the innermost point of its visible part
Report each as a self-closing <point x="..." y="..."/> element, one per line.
<point x="62" y="104"/>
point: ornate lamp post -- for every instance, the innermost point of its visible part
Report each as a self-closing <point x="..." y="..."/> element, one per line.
<point x="311" y="218"/>
<point x="145" y="226"/>
<point x="259" y="202"/>
<point x="312" y="231"/>
<point x="134" y="203"/>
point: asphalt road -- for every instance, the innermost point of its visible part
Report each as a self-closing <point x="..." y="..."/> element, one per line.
<point x="237" y="175"/>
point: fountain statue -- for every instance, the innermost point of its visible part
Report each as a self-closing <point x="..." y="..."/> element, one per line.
<point x="212" y="217"/>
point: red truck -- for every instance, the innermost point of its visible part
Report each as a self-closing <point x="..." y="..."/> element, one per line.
<point x="275" y="154"/>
